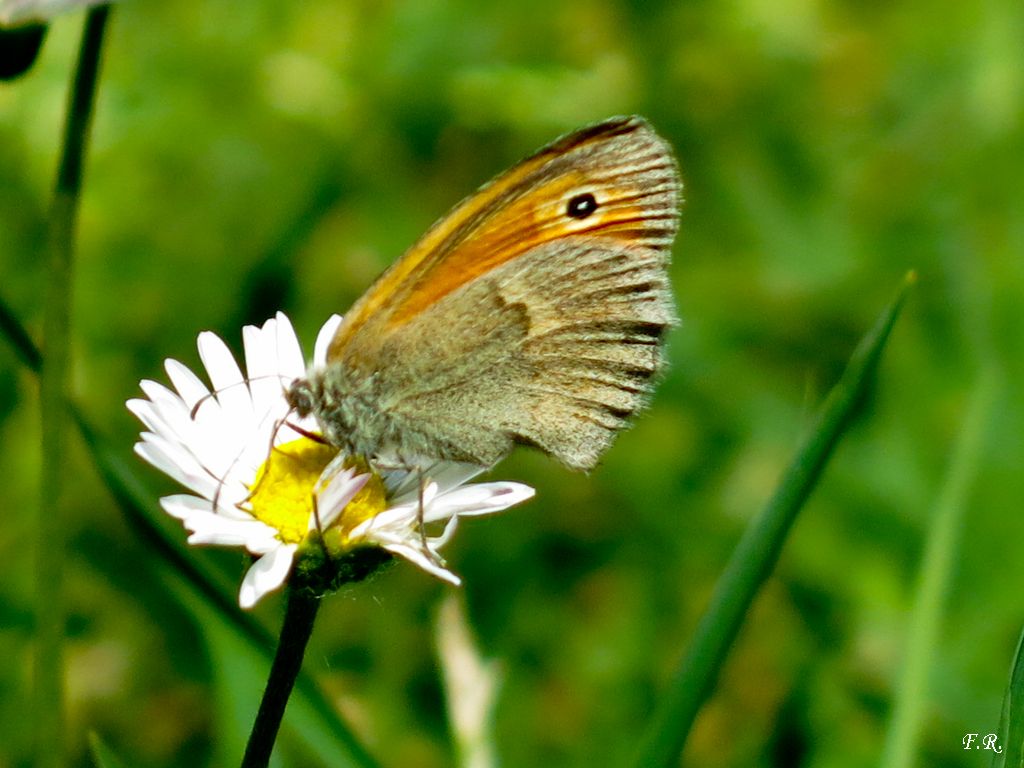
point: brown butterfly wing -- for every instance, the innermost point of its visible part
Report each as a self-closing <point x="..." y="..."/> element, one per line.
<point x="557" y="349"/>
<point x="514" y="321"/>
<point x="522" y="209"/>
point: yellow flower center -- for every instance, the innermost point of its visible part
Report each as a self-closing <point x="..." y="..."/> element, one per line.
<point x="282" y="494"/>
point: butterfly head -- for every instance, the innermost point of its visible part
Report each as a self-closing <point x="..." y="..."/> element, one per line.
<point x="300" y="397"/>
<point x="346" y="409"/>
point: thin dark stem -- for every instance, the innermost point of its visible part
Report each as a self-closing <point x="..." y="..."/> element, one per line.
<point x="48" y="672"/>
<point x="296" y="630"/>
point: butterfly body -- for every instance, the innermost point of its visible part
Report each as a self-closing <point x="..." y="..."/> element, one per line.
<point x="533" y="313"/>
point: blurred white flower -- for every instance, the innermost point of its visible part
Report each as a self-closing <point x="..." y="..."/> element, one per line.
<point x="18" y="12"/>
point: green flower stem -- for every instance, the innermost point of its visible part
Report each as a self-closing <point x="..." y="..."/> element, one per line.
<point x="48" y="671"/>
<point x="757" y="552"/>
<point x="313" y="575"/>
<point x="296" y="630"/>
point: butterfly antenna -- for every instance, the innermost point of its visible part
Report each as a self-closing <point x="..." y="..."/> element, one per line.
<point x="221" y="479"/>
<point x="244" y="382"/>
<point x="270" y="456"/>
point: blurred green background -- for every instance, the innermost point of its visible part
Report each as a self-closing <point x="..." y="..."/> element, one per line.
<point x="255" y="156"/>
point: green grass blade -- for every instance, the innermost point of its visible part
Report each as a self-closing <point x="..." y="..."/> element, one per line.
<point x="936" y="566"/>
<point x="758" y="550"/>
<point x="49" y="532"/>
<point x="1011" y="722"/>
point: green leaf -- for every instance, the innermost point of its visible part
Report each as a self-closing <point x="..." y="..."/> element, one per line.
<point x="1011" y="723"/>
<point x="758" y="550"/>
<point x="937" y="564"/>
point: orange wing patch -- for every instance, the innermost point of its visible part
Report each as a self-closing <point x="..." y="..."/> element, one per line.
<point x="393" y="285"/>
<point x="517" y="212"/>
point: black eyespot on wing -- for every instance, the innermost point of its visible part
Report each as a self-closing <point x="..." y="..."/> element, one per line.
<point x="581" y="206"/>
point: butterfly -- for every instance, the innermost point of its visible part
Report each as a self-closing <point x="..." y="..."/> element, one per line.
<point x="533" y="313"/>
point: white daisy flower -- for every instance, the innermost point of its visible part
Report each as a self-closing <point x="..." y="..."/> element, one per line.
<point x="217" y="443"/>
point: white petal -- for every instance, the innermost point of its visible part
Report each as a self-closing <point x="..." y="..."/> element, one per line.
<point x="184" y="506"/>
<point x="479" y="499"/>
<point x="324" y="338"/>
<point x="408" y="506"/>
<point x="408" y="513"/>
<point x="340" y="490"/>
<point x="221" y="531"/>
<point x="217" y="359"/>
<point x="164" y="400"/>
<point x="261" y="545"/>
<point x="403" y="485"/>
<point x="226" y="379"/>
<point x="266" y="574"/>
<point x="144" y="411"/>
<point x="428" y="564"/>
<point x="265" y="385"/>
<point x="401" y="518"/>
<point x="189" y="386"/>
<point x="449" y="530"/>
<point x="289" y="353"/>
<point x="230" y="449"/>
<point x="156" y="419"/>
<point x="170" y="461"/>
<point x="168" y="415"/>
